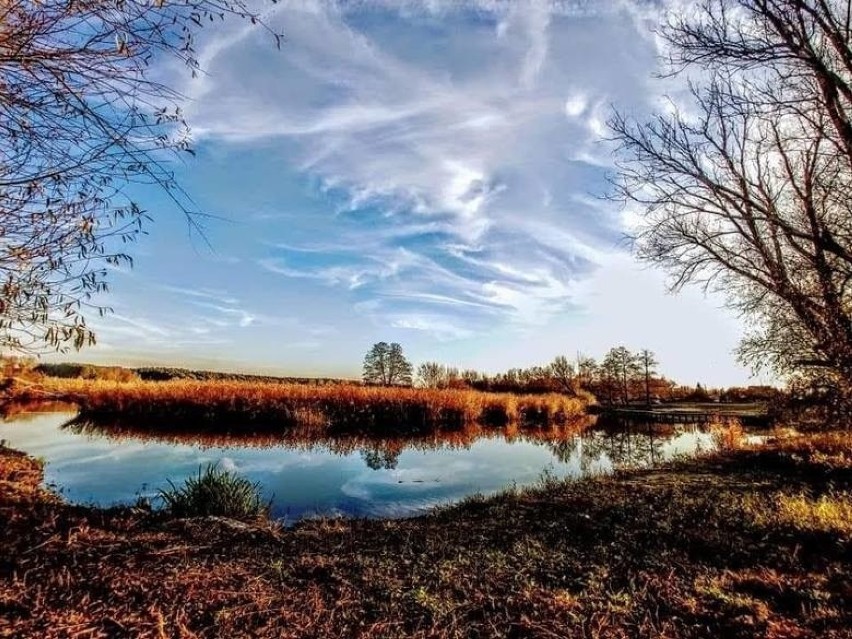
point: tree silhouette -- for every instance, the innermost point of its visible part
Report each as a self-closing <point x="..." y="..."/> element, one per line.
<point x="587" y="370"/>
<point x="380" y="458"/>
<point x="648" y="364"/>
<point x="620" y="369"/>
<point x="385" y="364"/>
<point x="748" y="190"/>
<point x="562" y="373"/>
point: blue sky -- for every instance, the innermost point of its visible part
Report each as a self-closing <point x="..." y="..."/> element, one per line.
<point x="426" y="173"/>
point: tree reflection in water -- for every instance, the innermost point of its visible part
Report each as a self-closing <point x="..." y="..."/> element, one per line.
<point x="623" y="443"/>
<point x="380" y="458"/>
<point x="594" y="444"/>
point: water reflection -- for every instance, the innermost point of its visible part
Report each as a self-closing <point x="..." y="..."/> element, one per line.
<point x="307" y="473"/>
<point x="624" y="443"/>
<point x="378" y="458"/>
<point x="378" y="451"/>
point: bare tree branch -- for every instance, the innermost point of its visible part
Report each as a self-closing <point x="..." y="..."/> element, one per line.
<point x="752" y="195"/>
<point x="80" y="120"/>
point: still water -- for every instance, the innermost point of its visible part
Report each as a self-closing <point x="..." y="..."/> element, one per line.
<point x="346" y="476"/>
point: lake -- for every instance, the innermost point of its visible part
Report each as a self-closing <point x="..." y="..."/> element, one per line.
<point x="351" y="476"/>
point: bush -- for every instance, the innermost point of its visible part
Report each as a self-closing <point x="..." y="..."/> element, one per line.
<point x="727" y="432"/>
<point x="215" y="492"/>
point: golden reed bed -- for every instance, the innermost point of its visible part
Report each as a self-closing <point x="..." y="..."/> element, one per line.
<point x="347" y="406"/>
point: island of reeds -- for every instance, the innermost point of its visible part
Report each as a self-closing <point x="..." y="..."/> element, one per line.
<point x="220" y="404"/>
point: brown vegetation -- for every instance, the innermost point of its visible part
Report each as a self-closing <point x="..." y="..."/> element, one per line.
<point x="247" y="405"/>
<point x="164" y="373"/>
<point x="727" y="432"/>
<point x="730" y="546"/>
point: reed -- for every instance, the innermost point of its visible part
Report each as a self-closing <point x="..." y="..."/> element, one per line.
<point x="344" y="407"/>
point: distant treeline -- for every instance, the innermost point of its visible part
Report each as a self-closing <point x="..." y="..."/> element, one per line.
<point x="164" y="373"/>
<point x="157" y="374"/>
<point x="621" y="377"/>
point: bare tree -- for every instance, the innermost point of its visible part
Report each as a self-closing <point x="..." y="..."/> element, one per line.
<point x="432" y="375"/>
<point x="81" y="118"/>
<point x="454" y="378"/>
<point x="749" y="189"/>
<point x="471" y="377"/>
<point x="587" y="370"/>
<point x="562" y="372"/>
<point x="647" y="362"/>
<point x="620" y="370"/>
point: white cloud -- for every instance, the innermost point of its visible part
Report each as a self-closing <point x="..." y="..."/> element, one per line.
<point x="242" y="317"/>
<point x="219" y="296"/>
<point x="140" y="325"/>
<point x="454" y="154"/>
<point x="459" y="149"/>
<point x="536" y="20"/>
<point x="575" y="105"/>
<point x="437" y="326"/>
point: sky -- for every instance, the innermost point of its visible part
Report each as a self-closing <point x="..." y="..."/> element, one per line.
<point x="422" y="172"/>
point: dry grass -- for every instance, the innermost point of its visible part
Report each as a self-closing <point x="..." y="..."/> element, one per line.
<point x="728" y="433"/>
<point x="828" y="513"/>
<point x="19" y="469"/>
<point x="230" y="403"/>
<point x="832" y="450"/>
<point x="673" y="552"/>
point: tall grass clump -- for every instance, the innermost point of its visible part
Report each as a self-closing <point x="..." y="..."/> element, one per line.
<point x="215" y="492"/>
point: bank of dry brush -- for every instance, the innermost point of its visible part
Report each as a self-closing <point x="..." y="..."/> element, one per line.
<point x="345" y="406"/>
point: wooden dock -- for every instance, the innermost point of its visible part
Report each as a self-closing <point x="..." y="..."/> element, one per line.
<point x="666" y="415"/>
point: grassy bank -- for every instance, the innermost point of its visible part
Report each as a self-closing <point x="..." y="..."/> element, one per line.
<point x="749" y="543"/>
<point x="229" y="404"/>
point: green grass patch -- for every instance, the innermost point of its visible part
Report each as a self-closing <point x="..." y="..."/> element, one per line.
<point x="215" y="492"/>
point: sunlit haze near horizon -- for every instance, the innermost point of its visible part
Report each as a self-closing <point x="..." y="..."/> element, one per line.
<point x="409" y="172"/>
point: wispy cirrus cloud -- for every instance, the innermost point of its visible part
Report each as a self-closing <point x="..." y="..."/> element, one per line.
<point x="460" y="143"/>
<point x="422" y="172"/>
<point x="205" y="320"/>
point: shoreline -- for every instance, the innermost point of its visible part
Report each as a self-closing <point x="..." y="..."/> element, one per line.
<point x="698" y="548"/>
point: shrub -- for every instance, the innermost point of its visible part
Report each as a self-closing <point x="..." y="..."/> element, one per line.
<point x="215" y="492"/>
<point x="66" y="370"/>
<point x="728" y="433"/>
<point x="17" y="367"/>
